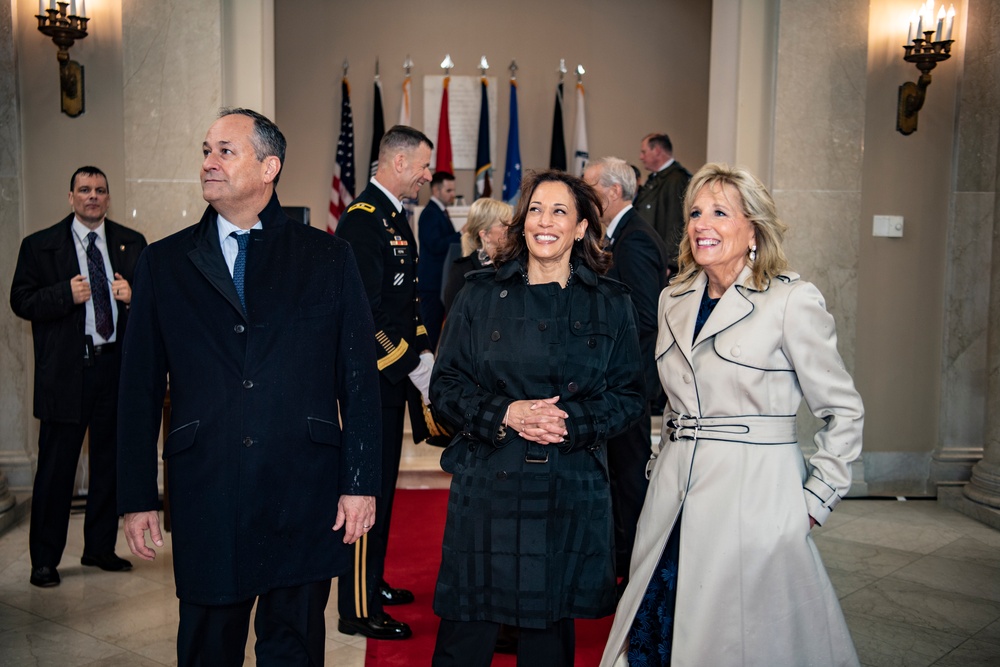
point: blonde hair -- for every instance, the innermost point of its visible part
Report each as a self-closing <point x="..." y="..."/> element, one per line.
<point x="483" y="214"/>
<point x="758" y="207"/>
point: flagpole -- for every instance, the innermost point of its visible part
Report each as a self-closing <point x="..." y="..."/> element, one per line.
<point x="342" y="186"/>
<point x="512" y="163"/>
<point x="483" y="163"/>
<point x="580" y="150"/>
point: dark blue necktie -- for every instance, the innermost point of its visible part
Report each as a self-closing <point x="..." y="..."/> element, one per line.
<point x="99" y="292"/>
<point x="240" y="267"/>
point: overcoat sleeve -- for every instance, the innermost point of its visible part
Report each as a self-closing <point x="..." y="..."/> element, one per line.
<point x="34" y="298"/>
<point x="140" y="397"/>
<point x="810" y="342"/>
<point x="614" y="409"/>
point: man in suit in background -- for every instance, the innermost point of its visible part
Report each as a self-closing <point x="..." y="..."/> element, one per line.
<point x="661" y="199"/>
<point x="640" y="261"/>
<point x="377" y="230"/>
<point x="437" y="234"/>
<point x="73" y="283"/>
<point x="273" y="453"/>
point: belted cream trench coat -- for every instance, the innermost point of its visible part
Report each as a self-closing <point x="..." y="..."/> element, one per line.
<point x="751" y="587"/>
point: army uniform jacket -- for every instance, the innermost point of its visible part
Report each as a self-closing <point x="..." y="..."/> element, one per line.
<point x="386" y="251"/>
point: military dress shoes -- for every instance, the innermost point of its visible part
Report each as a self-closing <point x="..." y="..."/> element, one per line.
<point x="394" y="596"/>
<point x="377" y="626"/>
<point x="44" y="576"/>
<point x="108" y="562"/>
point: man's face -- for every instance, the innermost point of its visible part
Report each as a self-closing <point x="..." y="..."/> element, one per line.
<point x="651" y="156"/>
<point x="90" y="199"/>
<point x="592" y="177"/>
<point x="417" y="171"/>
<point x="445" y="192"/>
<point x="231" y="172"/>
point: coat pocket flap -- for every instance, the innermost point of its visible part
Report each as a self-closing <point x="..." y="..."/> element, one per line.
<point x="180" y="439"/>
<point x="323" y="431"/>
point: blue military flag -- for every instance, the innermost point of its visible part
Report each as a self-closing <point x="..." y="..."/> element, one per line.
<point x="512" y="165"/>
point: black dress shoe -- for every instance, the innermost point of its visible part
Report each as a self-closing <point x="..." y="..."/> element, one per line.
<point x="394" y="596"/>
<point x="44" y="576"/>
<point x="378" y="626"/>
<point x="109" y="562"/>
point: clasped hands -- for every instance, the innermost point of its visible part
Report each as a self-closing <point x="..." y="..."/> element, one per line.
<point x="538" y="420"/>
<point x="80" y="287"/>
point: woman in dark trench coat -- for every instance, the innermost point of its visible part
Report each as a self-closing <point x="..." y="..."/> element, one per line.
<point x="537" y="367"/>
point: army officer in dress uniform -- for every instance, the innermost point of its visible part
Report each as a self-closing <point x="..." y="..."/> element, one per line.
<point x="384" y="244"/>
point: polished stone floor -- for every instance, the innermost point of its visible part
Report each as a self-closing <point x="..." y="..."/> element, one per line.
<point x="919" y="584"/>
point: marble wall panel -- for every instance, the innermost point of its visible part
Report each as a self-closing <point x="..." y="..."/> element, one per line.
<point x="979" y="125"/>
<point x="963" y="405"/>
<point x="822" y="246"/>
<point x="173" y="89"/>
<point x="820" y="109"/>
<point x="15" y="406"/>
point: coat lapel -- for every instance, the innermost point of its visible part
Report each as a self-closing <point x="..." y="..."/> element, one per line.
<point x="682" y="314"/>
<point x="207" y="258"/>
<point x="732" y="307"/>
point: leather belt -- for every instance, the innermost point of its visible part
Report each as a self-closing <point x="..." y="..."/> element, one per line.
<point x="107" y="348"/>
<point x="744" y="429"/>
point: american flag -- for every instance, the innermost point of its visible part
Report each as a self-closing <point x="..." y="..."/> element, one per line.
<point x="342" y="188"/>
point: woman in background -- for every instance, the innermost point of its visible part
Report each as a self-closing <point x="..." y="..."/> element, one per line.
<point x="481" y="238"/>
<point x="724" y="570"/>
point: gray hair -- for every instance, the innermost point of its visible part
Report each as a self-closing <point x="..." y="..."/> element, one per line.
<point x="267" y="139"/>
<point x="616" y="171"/>
<point x="401" y="138"/>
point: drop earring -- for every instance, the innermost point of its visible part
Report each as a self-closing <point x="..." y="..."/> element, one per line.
<point x="753" y="252"/>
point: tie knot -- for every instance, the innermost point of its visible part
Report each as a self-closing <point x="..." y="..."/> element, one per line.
<point x="241" y="239"/>
<point x="92" y="237"/>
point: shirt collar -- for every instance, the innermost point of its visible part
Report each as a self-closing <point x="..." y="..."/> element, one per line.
<point x="226" y="228"/>
<point x="439" y="203"/>
<point x="81" y="230"/>
<point x="395" y="201"/>
<point x="665" y="165"/>
<point x="613" y="225"/>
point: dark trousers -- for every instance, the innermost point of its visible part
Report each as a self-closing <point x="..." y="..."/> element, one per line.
<point x="59" y="446"/>
<point x="628" y="454"/>
<point x="432" y="315"/>
<point x="471" y="644"/>
<point x="357" y="588"/>
<point x="289" y="625"/>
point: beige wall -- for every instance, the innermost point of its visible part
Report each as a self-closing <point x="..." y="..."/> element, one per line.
<point x="646" y="62"/>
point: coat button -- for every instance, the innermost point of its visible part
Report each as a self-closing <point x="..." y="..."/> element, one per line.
<point x="736" y="351"/>
<point x="248" y="384"/>
<point x="577" y="325"/>
<point x="592" y="343"/>
<point x="572" y="386"/>
<point x="542" y="326"/>
<point x="502" y="474"/>
<point x="503" y="294"/>
<point x="247" y="441"/>
<point x="686" y="378"/>
<point x="472" y="447"/>
<point x="501" y="383"/>
<point x="495" y="336"/>
<point x="239" y="328"/>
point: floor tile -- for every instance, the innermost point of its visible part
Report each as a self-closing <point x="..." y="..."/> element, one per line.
<point x="972" y="550"/>
<point x="48" y="644"/>
<point x="971" y="579"/>
<point x="861" y="558"/>
<point x="972" y="653"/>
<point x="885" y="643"/>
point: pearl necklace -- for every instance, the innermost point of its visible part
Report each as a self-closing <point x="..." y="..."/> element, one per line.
<point x="569" y="279"/>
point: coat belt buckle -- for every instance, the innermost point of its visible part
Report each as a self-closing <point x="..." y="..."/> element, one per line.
<point x="534" y="458"/>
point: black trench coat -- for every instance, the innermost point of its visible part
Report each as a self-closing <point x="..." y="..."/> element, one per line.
<point x="529" y="538"/>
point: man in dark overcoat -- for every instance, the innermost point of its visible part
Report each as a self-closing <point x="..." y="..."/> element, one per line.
<point x="273" y="452"/>
<point x="641" y="262"/>
<point x="383" y="242"/>
<point x="660" y="201"/>
<point x="73" y="283"/>
<point x="437" y="234"/>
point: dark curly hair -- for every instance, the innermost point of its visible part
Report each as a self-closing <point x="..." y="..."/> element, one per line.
<point x="588" y="207"/>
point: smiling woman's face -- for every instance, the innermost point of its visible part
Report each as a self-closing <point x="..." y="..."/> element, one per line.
<point x="551" y="226"/>
<point x="719" y="232"/>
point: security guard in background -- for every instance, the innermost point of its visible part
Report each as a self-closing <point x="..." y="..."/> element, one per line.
<point x="386" y="250"/>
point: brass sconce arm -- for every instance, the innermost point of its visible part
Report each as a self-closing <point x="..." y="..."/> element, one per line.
<point x="925" y="54"/>
<point x="64" y="29"/>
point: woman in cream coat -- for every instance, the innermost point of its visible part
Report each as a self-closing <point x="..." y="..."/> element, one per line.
<point x="724" y="570"/>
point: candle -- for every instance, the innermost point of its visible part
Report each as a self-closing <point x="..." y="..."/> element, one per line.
<point x="939" y="35"/>
<point x="41" y="8"/>
<point x="951" y="21"/>
<point x="72" y="8"/>
<point x="909" y="34"/>
<point x="920" y="26"/>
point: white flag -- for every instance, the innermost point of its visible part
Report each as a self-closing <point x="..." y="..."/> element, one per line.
<point x="404" y="107"/>
<point x="580" y="151"/>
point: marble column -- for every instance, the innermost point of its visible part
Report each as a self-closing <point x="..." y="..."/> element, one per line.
<point x="15" y="466"/>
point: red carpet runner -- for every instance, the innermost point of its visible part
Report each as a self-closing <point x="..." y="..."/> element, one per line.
<point x="412" y="562"/>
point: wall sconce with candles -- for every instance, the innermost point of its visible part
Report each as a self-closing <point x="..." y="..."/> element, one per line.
<point x="64" y="25"/>
<point x="925" y="52"/>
